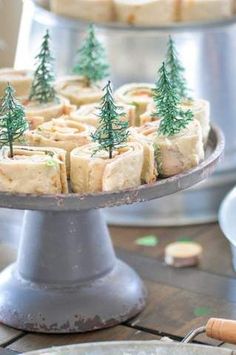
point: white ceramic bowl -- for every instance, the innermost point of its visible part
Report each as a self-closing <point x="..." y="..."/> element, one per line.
<point x="227" y="220"/>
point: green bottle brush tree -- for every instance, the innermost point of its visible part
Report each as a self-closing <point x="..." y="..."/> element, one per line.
<point x="42" y="89"/>
<point x="13" y="123"/>
<point x="92" y="62"/>
<point x="112" y="131"/>
<point x="167" y="99"/>
<point x="176" y="70"/>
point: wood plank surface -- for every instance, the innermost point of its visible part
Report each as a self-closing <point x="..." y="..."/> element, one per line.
<point x="8" y="334"/>
<point x="39" y="341"/>
<point x="217" y="256"/>
<point x="173" y="311"/>
<point x="209" y="236"/>
<point x="191" y="279"/>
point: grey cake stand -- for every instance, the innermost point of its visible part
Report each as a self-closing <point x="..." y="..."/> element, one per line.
<point x="67" y="277"/>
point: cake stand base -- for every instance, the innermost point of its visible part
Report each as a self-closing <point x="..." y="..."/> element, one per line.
<point x="67" y="278"/>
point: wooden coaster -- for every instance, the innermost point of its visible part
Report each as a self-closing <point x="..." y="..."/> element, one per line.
<point x="181" y="254"/>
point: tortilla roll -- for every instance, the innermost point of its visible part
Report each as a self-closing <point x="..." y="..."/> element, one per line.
<point x="61" y="133"/>
<point x="92" y="10"/>
<point x="145" y="12"/>
<point x="76" y="89"/>
<point x="148" y="116"/>
<point x="88" y="114"/>
<point x="21" y="81"/>
<point x="33" y="170"/>
<point x="205" y="10"/>
<point x="94" y="172"/>
<point x="201" y="112"/>
<point x="149" y="171"/>
<point x="59" y="107"/>
<point x="180" y="152"/>
<point x="35" y="121"/>
<point x="199" y="107"/>
<point x="138" y="95"/>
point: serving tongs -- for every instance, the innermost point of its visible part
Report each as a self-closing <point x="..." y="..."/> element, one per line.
<point x="216" y="328"/>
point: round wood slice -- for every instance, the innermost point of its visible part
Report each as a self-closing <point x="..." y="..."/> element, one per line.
<point x="180" y="254"/>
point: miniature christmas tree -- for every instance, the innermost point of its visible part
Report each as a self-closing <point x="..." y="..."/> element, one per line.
<point x="167" y="99"/>
<point x="176" y="70"/>
<point x="112" y="132"/>
<point x="92" y="62"/>
<point x="12" y="119"/>
<point x="42" y="89"/>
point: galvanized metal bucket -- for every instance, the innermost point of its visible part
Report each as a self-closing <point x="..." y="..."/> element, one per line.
<point x="133" y="348"/>
<point x="207" y="51"/>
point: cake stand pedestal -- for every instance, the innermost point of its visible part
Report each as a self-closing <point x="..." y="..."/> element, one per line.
<point x="67" y="277"/>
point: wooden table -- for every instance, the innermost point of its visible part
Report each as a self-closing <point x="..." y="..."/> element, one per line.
<point x="179" y="299"/>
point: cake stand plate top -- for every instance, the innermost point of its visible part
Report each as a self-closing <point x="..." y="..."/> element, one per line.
<point x="162" y="187"/>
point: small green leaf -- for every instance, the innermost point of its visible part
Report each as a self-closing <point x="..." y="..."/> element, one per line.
<point x="202" y="311"/>
<point x="147" y="241"/>
<point x="51" y="163"/>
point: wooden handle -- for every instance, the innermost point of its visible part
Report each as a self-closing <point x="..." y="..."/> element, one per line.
<point x="222" y="329"/>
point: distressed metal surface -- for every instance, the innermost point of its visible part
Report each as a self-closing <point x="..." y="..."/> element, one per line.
<point x="7" y="352"/>
<point x="163" y="187"/>
<point x="67" y="278"/>
<point x="100" y="303"/>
